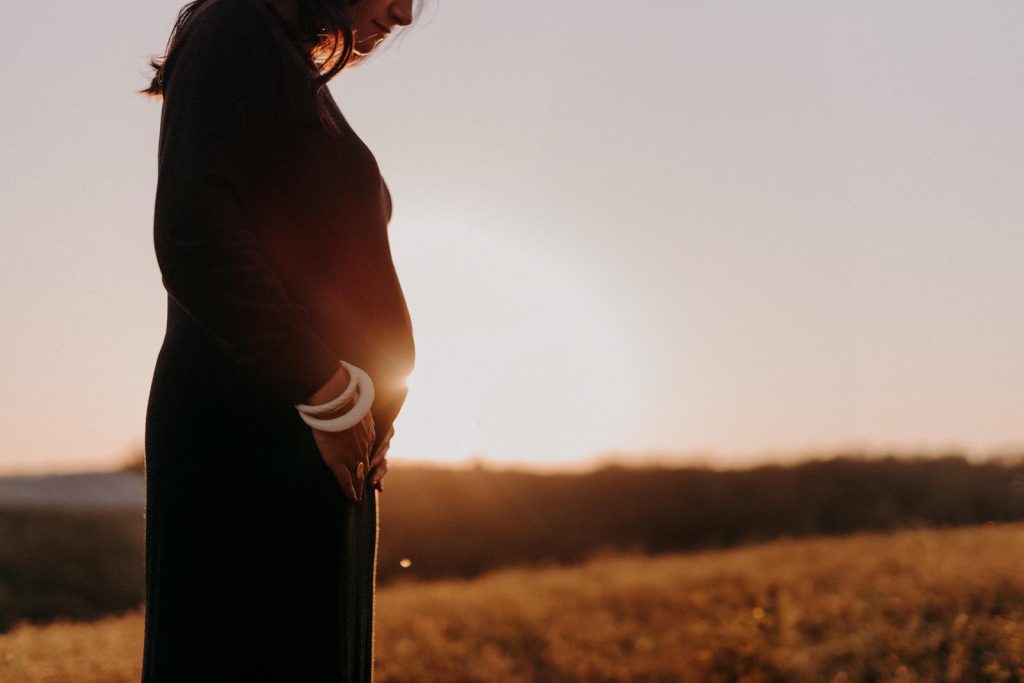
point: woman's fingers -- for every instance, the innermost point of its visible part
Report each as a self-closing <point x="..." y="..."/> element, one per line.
<point x="379" y="464"/>
<point x="362" y="466"/>
<point x="383" y="448"/>
<point x="347" y="454"/>
<point x="379" y="469"/>
<point x="379" y="455"/>
<point x="378" y="472"/>
<point x="345" y="479"/>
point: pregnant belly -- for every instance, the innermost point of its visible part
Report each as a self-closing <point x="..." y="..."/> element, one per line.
<point x="373" y="332"/>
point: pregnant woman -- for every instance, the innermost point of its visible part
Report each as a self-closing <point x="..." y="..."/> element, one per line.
<point x="287" y="347"/>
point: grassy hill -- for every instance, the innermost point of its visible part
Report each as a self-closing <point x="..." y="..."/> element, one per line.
<point x="85" y="557"/>
<point x="913" y="605"/>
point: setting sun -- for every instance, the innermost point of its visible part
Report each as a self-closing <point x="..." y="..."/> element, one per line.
<point x="517" y="359"/>
<point x="562" y="341"/>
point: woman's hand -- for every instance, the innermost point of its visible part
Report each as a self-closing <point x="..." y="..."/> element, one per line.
<point x="347" y="453"/>
<point x="379" y="464"/>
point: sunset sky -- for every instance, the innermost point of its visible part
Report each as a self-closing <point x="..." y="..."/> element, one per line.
<point x="729" y="231"/>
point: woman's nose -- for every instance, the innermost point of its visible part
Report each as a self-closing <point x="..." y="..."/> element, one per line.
<point x="401" y="12"/>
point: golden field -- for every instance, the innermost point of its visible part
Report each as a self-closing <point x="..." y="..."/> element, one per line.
<point x="917" y="605"/>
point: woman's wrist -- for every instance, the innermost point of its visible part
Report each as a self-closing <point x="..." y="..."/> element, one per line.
<point x="342" y="408"/>
<point x="338" y="382"/>
<point x="346" y="409"/>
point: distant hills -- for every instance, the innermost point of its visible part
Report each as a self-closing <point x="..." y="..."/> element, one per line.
<point x="111" y="490"/>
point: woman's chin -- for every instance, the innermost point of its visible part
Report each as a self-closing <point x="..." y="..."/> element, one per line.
<point x="363" y="48"/>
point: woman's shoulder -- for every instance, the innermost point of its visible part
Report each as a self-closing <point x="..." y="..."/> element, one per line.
<point x="230" y="37"/>
<point x="242" y="22"/>
<point x="243" y="10"/>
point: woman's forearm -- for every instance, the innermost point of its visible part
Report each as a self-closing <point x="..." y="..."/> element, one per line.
<point x="334" y="387"/>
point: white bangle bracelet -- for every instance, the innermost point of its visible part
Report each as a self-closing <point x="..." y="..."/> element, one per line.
<point x="324" y="408"/>
<point x="352" y="417"/>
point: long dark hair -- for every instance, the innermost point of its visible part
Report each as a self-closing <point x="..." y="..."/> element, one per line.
<point x="324" y="33"/>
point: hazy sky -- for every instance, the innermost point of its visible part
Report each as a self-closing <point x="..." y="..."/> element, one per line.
<point x="740" y="229"/>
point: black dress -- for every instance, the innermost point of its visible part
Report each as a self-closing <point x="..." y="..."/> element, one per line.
<point x="271" y="237"/>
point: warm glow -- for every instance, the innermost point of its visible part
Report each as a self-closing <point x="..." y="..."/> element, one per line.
<point x="517" y="359"/>
<point x="749" y="236"/>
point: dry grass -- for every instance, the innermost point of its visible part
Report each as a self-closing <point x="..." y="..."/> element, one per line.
<point x="929" y="605"/>
<point x="109" y="649"/>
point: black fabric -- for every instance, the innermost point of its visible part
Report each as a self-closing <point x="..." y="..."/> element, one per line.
<point x="271" y="236"/>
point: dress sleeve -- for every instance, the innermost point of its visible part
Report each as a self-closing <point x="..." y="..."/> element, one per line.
<point x="221" y="88"/>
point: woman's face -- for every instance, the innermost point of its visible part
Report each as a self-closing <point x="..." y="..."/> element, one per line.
<point x="373" y="20"/>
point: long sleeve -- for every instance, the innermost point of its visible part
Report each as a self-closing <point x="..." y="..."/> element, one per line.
<point x="221" y="85"/>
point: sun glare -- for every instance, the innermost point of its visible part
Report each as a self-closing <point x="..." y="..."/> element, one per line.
<point x="517" y="360"/>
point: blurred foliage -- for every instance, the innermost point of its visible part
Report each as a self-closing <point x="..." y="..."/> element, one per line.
<point x="81" y="563"/>
<point x="459" y="523"/>
<point x="438" y="522"/>
<point x="914" y="606"/>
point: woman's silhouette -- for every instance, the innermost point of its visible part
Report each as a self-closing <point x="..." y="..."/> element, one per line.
<point x="270" y="229"/>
